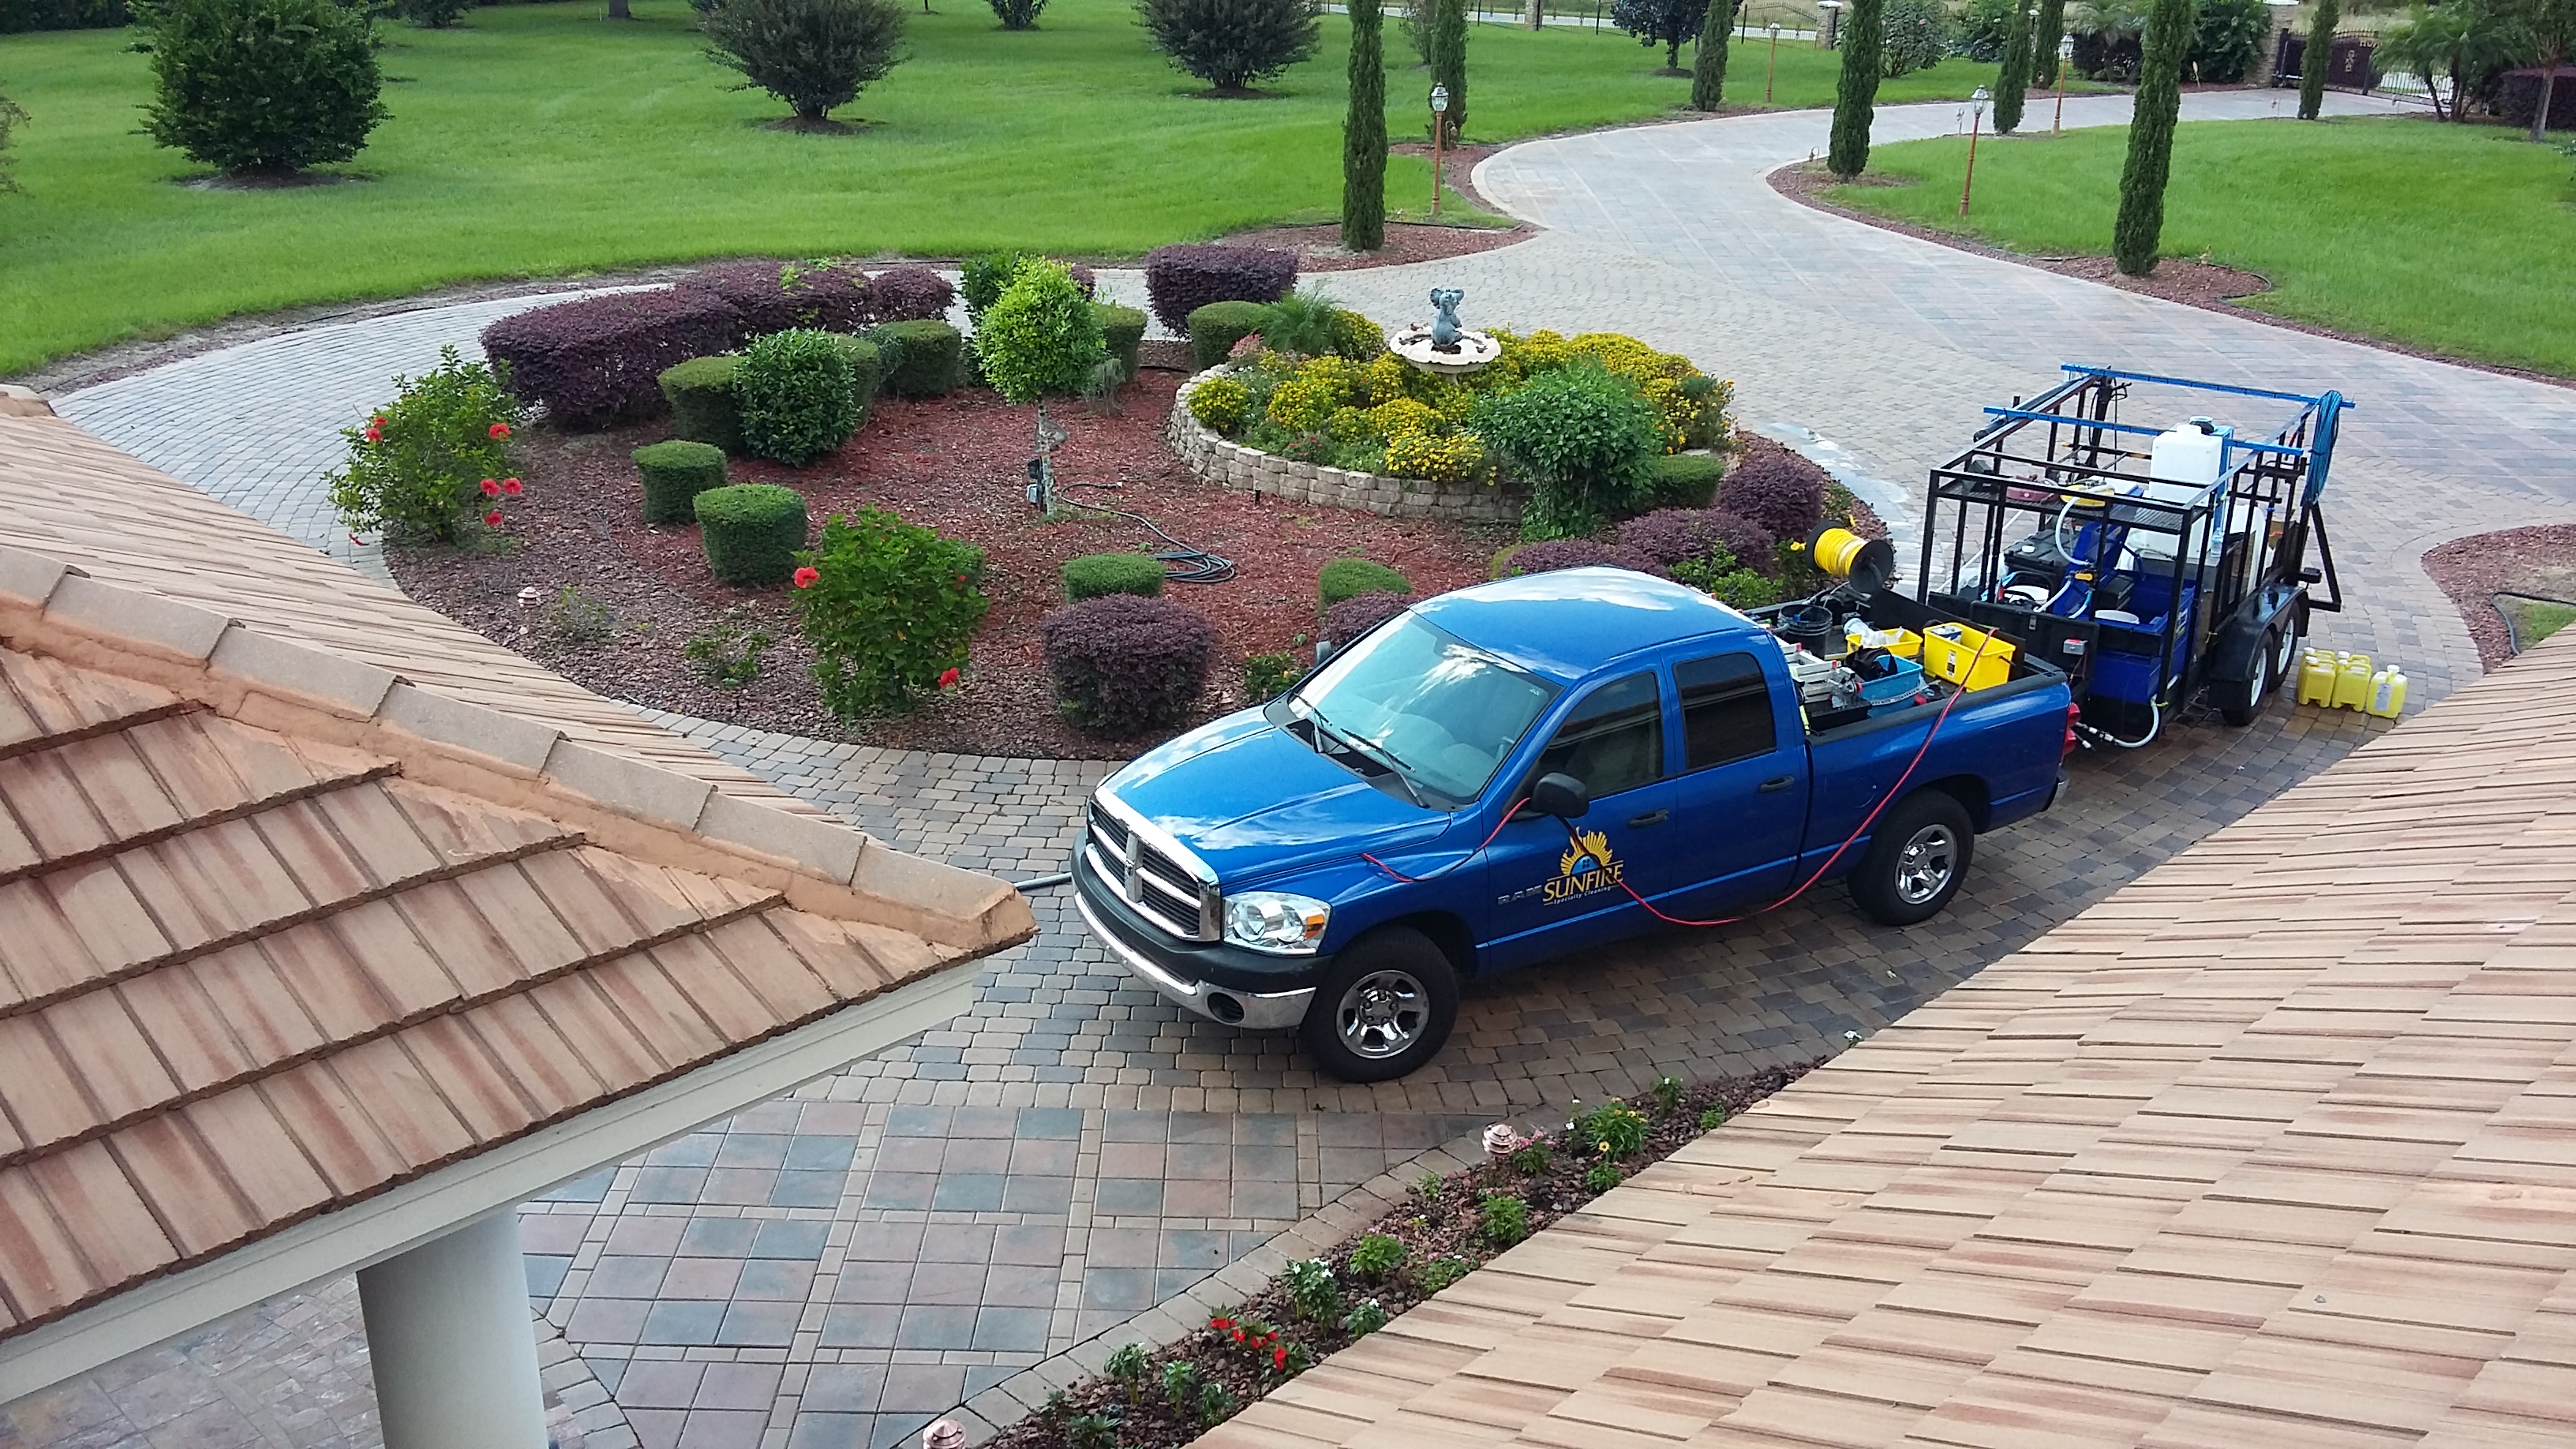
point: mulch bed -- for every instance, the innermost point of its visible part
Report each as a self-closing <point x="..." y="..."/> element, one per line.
<point x="956" y="464"/>
<point x="1319" y="248"/>
<point x="1439" y="1220"/>
<point x="2473" y="570"/>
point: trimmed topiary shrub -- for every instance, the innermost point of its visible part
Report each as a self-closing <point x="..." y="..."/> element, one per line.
<point x="812" y="54"/>
<point x="426" y="463"/>
<point x="2138" y="228"/>
<point x="908" y="294"/>
<point x="1040" y="338"/>
<point x="1123" y="665"/>
<point x="793" y="393"/>
<point x="775" y="296"/>
<point x="1683" y="480"/>
<point x="1856" y="87"/>
<point x="1777" y="489"/>
<point x="1583" y="435"/>
<point x="594" y="361"/>
<point x="1348" y="578"/>
<point x="1360" y="613"/>
<point x="1123" y="330"/>
<point x="1364" y="133"/>
<point x="700" y="392"/>
<point x="675" y="473"/>
<point x="890" y="608"/>
<point x="751" y="532"/>
<point x="1216" y="327"/>
<point x="867" y="372"/>
<point x="1671" y="536"/>
<point x="1549" y="555"/>
<point x="1182" y="278"/>
<point x="1232" y="43"/>
<point x="1018" y="14"/>
<point x="1096" y="575"/>
<point x="931" y="359"/>
<point x="261" y="86"/>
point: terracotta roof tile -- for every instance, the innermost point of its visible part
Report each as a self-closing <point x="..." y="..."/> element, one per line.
<point x="184" y="1185"/>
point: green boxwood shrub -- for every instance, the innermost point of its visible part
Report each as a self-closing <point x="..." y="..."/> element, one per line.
<point x="1683" y="480"/>
<point x="1216" y="327"/>
<point x="1123" y="328"/>
<point x="890" y="609"/>
<point x="867" y="372"/>
<point x="931" y="359"/>
<point x="1584" y="436"/>
<point x="1095" y="574"/>
<point x="889" y="352"/>
<point x="1039" y="339"/>
<point x="675" y="473"/>
<point x="792" y="391"/>
<point x="1348" y="578"/>
<point x="701" y="396"/>
<point x="262" y="85"/>
<point x="752" y="532"/>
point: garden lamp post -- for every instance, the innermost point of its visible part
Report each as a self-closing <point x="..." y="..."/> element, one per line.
<point x="2065" y="59"/>
<point x="1439" y="129"/>
<point x="1976" y="116"/>
<point x="1772" y="72"/>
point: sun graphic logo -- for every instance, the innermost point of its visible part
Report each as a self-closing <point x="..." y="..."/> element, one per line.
<point x="1590" y="851"/>
<point x="1585" y="867"/>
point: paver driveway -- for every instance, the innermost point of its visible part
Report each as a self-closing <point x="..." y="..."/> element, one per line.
<point x="1160" y="1147"/>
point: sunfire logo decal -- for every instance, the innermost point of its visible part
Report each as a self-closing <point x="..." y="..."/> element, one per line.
<point x="1585" y="867"/>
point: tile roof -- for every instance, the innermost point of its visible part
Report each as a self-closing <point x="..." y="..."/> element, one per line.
<point x="280" y="930"/>
<point x="2275" y="1146"/>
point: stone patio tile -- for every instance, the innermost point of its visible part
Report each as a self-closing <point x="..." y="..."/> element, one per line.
<point x="751" y="1324"/>
<point x="956" y="1242"/>
<point x="790" y="1238"/>
<point x="818" y="1153"/>
<point x="1024" y="1194"/>
<point x="682" y="1321"/>
<point x="1118" y="1196"/>
<point x="660" y="1383"/>
<point x="938" y="1326"/>
<point x="831" y="1431"/>
<point x="921" y="1388"/>
<point x="775" y="1279"/>
<point x="738" y="1386"/>
<point x="844" y="1387"/>
<point x="725" y="1428"/>
<point x="701" y="1278"/>
<point x="808" y="1189"/>
<point x="1028" y="1244"/>
<point x="752" y="1149"/>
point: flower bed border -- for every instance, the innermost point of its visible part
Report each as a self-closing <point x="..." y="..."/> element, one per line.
<point x="1229" y="464"/>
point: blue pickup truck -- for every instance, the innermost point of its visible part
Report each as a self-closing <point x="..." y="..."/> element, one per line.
<point x="1507" y="773"/>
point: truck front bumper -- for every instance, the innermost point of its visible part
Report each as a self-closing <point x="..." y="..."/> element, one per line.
<point x="1173" y="971"/>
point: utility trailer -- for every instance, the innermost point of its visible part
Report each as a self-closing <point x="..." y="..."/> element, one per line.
<point x="2158" y="563"/>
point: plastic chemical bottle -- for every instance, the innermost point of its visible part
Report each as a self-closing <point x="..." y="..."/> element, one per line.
<point x="2352" y="683"/>
<point x="2317" y="678"/>
<point x="2388" y="693"/>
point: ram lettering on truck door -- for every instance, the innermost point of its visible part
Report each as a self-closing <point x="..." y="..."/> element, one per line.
<point x="1741" y="801"/>
<point x="1552" y="894"/>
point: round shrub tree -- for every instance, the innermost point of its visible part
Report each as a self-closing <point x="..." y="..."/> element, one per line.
<point x="1123" y="665"/>
<point x="430" y="462"/>
<point x="1018" y="14"/>
<point x="1232" y="43"/>
<point x="1914" y="35"/>
<point x="1041" y="340"/>
<point x="792" y="396"/>
<point x="674" y="474"/>
<point x="1667" y="23"/>
<point x="261" y="87"/>
<point x="1583" y="435"/>
<point x="890" y="608"/>
<point x="812" y="54"/>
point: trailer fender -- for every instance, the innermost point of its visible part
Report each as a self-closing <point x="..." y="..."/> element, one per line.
<point x="2232" y="649"/>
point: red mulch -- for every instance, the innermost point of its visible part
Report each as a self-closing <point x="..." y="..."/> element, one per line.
<point x="1319" y="248"/>
<point x="2473" y="570"/>
<point x="956" y="464"/>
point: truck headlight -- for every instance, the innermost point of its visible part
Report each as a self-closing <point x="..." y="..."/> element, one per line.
<point x="1276" y="921"/>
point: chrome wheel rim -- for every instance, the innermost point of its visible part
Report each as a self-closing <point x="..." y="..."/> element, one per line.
<point x="1924" y="867"/>
<point x="1382" y="1014"/>
<point x="2260" y="686"/>
<point x="2284" y="653"/>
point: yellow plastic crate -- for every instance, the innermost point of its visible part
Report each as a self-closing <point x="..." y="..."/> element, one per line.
<point x="1970" y="658"/>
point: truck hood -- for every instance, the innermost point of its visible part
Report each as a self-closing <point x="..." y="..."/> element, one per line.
<point x="1255" y="801"/>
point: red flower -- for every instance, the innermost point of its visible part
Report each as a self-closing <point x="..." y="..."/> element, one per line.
<point x="808" y="577"/>
<point x="1220" y="1322"/>
<point x="513" y="487"/>
<point x="961" y="578"/>
<point x="491" y="489"/>
<point x="499" y="430"/>
<point x="493" y="518"/>
<point x="1238" y="1335"/>
<point x="1279" y="1359"/>
<point x="375" y="435"/>
<point x="377" y="421"/>
<point x="949" y="679"/>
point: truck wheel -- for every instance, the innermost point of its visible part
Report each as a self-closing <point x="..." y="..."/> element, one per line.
<point x="1385" y="1009"/>
<point x="2239" y="702"/>
<point x="1916" y="860"/>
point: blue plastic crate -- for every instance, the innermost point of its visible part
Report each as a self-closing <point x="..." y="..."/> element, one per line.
<point x="1894" y="688"/>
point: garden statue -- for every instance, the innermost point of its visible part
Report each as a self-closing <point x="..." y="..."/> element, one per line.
<point x="1444" y="349"/>
<point x="1444" y="327"/>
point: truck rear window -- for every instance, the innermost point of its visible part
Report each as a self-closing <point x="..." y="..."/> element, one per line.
<point x="1442" y="712"/>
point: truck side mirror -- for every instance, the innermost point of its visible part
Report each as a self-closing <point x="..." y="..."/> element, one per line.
<point x="1562" y="796"/>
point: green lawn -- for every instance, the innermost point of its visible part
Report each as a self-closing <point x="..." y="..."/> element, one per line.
<point x="542" y="140"/>
<point x="2456" y="239"/>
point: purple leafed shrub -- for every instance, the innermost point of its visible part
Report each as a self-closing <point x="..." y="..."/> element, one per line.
<point x="1670" y="535"/>
<point x="1776" y="489"/>
<point x="1124" y="664"/>
<point x="1360" y="613"/>
<point x="1572" y="553"/>
<point x="908" y="294"/>
<point x="1187" y="276"/>
<point x="598" y="360"/>
<point x="776" y="297"/>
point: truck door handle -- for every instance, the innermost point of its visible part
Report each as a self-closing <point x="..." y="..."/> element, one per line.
<point x="1774" y="787"/>
<point x="1651" y="817"/>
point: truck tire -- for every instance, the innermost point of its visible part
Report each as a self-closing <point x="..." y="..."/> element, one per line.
<point x="2240" y="701"/>
<point x="1916" y="860"/>
<point x="1384" y="1009"/>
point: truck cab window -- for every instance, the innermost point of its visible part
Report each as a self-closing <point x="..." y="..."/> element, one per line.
<point x="1726" y="710"/>
<point x="1614" y="740"/>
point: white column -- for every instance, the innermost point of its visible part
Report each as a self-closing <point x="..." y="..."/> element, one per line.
<point x="453" y="1342"/>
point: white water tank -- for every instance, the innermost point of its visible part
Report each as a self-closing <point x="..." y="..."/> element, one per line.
<point x="2194" y="454"/>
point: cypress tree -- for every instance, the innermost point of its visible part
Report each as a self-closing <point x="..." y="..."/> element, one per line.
<point x="1856" y="92"/>
<point x="2141" y="222"/>
<point x="1449" y="58"/>
<point x="2312" y="62"/>
<point x="1708" y="59"/>
<point x="2045" y="37"/>
<point x="1364" y="135"/>
<point x="2012" y="84"/>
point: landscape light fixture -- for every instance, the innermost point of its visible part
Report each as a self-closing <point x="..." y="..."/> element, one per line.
<point x="2065" y="62"/>
<point x="1772" y="73"/>
<point x="1976" y="117"/>
<point x="1439" y="129"/>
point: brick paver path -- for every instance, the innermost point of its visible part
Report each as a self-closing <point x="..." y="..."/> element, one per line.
<point x="976" y="1215"/>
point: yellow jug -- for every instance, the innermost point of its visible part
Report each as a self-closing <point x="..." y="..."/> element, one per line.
<point x="2388" y="693"/>
<point x="2352" y="683"/>
<point x="2317" y="678"/>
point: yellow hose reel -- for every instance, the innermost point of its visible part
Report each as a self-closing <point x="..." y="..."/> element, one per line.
<point x="1864" y="563"/>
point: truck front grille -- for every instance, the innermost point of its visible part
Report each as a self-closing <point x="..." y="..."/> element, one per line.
<point x="1162" y="890"/>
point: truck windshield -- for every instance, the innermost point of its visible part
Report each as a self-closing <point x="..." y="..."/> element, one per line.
<point x="1419" y="702"/>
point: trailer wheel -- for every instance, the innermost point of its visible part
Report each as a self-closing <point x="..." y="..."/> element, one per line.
<point x="1916" y="860"/>
<point x="2287" y="636"/>
<point x="2243" y="699"/>
<point x="1384" y="1009"/>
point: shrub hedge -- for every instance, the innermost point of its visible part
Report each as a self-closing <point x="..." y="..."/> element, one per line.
<point x="1584" y="436"/>
<point x="1181" y="278"/>
<point x="1348" y="578"/>
<point x="1671" y="536"/>
<point x="18" y="15"/>
<point x="1096" y="575"/>
<point x="1566" y="553"/>
<point x="598" y="360"/>
<point x="867" y="371"/>
<point x="752" y="532"/>
<point x="1683" y="480"/>
<point x="675" y="473"/>
<point x="1123" y="328"/>
<point x="890" y="608"/>
<point x="700" y="392"/>
<point x="1776" y="489"/>
<point x="908" y="294"/>
<point x="773" y="296"/>
<point x="262" y="85"/>
<point x="1360" y="613"/>
<point x="794" y="393"/>
<point x="1216" y="327"/>
<point x="930" y="360"/>
<point x="1123" y="665"/>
